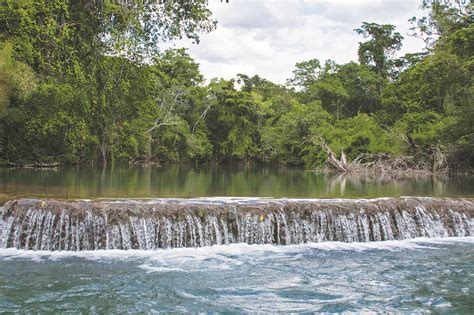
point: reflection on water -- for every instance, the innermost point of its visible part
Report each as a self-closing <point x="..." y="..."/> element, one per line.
<point x="188" y="181"/>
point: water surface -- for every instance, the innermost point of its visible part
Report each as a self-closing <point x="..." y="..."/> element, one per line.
<point x="187" y="181"/>
<point x="421" y="275"/>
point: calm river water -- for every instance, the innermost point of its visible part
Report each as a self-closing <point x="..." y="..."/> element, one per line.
<point x="185" y="181"/>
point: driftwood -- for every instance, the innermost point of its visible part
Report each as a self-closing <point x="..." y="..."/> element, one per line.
<point x="38" y="165"/>
<point x="386" y="164"/>
<point x="144" y="161"/>
<point x="340" y="165"/>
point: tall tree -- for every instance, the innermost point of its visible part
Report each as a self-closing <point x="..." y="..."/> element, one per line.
<point x="379" y="49"/>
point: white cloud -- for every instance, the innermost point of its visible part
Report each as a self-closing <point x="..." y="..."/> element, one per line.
<point x="268" y="37"/>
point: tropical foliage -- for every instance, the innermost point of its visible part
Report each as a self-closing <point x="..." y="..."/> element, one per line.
<point x="83" y="81"/>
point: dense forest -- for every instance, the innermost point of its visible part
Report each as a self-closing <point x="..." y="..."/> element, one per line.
<point x="85" y="81"/>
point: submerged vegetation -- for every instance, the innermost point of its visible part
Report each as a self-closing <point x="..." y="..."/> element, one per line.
<point x="84" y="81"/>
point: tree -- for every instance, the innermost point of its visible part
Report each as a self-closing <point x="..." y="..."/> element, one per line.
<point x="362" y="86"/>
<point x="333" y="95"/>
<point x="430" y="103"/>
<point x="378" y="50"/>
<point x="232" y="123"/>
<point x="345" y="90"/>
<point x="305" y="74"/>
<point x="17" y="83"/>
<point x="287" y="139"/>
<point x="444" y="17"/>
<point x="94" y="44"/>
<point x="17" y="80"/>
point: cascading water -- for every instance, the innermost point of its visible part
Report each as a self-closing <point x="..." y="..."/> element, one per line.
<point x="129" y="224"/>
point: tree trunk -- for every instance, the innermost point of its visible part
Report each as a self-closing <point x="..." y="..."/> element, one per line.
<point x="340" y="165"/>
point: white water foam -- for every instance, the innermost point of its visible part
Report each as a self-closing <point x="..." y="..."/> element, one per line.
<point x="223" y="253"/>
<point x="220" y="200"/>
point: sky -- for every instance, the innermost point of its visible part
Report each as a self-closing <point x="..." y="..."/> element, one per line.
<point x="268" y="37"/>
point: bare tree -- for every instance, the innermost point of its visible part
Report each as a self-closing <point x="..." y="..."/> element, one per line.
<point x="211" y="99"/>
<point x="167" y="104"/>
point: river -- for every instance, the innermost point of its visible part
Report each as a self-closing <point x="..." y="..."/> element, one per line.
<point x="247" y="269"/>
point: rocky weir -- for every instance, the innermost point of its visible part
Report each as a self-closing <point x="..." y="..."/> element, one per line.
<point x="75" y="225"/>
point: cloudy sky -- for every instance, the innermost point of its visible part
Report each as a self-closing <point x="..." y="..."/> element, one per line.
<point x="267" y="37"/>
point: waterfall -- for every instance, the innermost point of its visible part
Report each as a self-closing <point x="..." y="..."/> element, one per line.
<point x="170" y="223"/>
